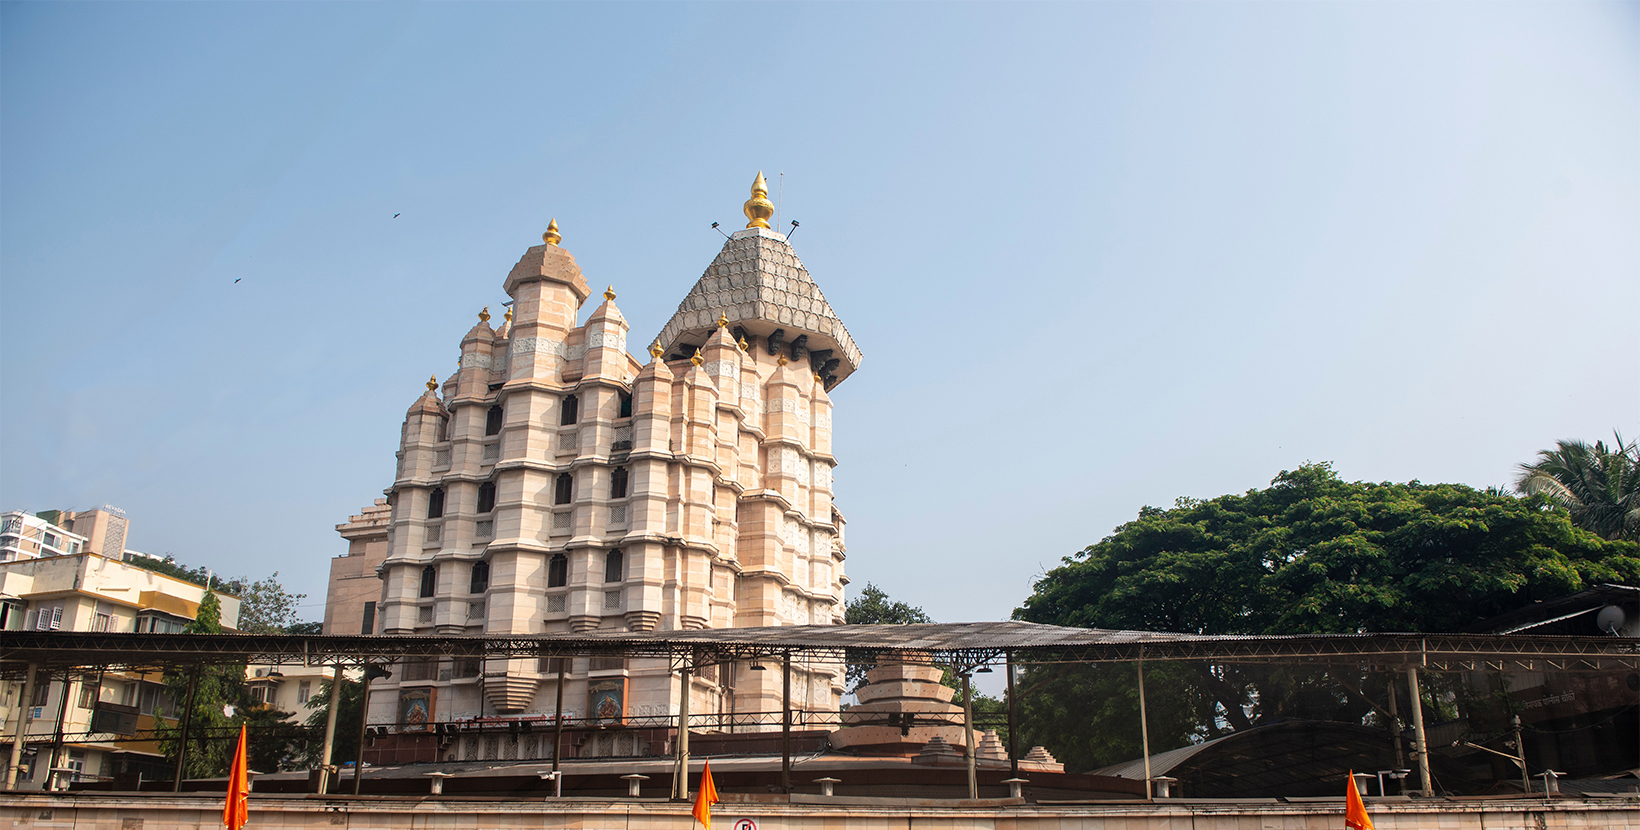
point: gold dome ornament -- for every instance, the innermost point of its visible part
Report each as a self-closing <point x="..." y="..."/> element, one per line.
<point x="758" y="208"/>
<point x="656" y="351"/>
<point x="782" y="358"/>
<point x="507" y="318"/>
<point x="744" y="346"/>
<point x="696" y="358"/>
<point x="609" y="293"/>
<point x="552" y="237"/>
<point x="723" y="320"/>
<point x="484" y="316"/>
<point x="432" y="383"/>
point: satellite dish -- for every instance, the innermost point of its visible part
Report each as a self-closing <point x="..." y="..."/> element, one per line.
<point x="1610" y="619"/>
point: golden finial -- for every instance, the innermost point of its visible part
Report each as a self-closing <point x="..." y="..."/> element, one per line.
<point x="552" y="237"/>
<point x="609" y="293"/>
<point x="656" y="351"/>
<point x="744" y="346"/>
<point x="432" y="383"/>
<point x="696" y="358"/>
<point x="508" y="316"/>
<point x="723" y="321"/>
<point x="782" y="358"/>
<point x="817" y="377"/>
<point x="484" y="316"/>
<point x="758" y="208"/>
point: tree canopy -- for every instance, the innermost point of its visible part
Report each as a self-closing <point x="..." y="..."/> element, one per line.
<point x="1599" y="485"/>
<point x="1309" y="554"/>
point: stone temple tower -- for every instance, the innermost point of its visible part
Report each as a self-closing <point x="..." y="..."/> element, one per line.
<point x="556" y="484"/>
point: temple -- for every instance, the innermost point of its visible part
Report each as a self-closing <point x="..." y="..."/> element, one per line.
<point x="555" y="483"/>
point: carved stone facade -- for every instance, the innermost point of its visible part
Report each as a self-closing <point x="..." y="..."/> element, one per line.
<point x="554" y="484"/>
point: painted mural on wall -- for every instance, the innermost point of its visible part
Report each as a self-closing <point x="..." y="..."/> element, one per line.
<point x="606" y="700"/>
<point x="416" y="708"/>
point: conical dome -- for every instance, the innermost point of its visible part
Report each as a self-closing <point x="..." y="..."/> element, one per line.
<point x="758" y="282"/>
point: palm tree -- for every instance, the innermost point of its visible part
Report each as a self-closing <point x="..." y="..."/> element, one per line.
<point x="1599" y="485"/>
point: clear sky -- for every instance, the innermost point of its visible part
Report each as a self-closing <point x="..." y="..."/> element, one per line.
<point x="1097" y="256"/>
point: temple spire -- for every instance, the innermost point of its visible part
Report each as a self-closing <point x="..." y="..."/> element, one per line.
<point x="552" y="237"/>
<point x="758" y="209"/>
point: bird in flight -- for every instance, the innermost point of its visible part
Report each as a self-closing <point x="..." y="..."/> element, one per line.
<point x="395" y="216"/>
<point x="236" y="282"/>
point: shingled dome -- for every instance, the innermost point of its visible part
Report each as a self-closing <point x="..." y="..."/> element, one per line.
<point x="758" y="282"/>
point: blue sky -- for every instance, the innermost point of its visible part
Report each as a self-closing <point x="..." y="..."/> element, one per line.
<point x="1097" y="255"/>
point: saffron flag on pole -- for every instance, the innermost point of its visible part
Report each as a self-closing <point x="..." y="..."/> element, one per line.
<point x="1355" y="810"/>
<point x="706" y="797"/>
<point x="237" y="809"/>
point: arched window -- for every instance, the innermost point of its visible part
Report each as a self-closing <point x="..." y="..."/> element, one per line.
<point x="557" y="571"/>
<point x="481" y="578"/>
<point x="617" y="483"/>
<point x="571" y="410"/>
<point x="429" y="580"/>
<point x="563" y="488"/>
<point x="614" y="566"/>
<point x="492" y="421"/>
<point x="435" y="503"/>
<point x="626" y="405"/>
<point x="486" y="497"/>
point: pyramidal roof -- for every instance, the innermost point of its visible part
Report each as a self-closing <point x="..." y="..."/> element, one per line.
<point x="758" y="282"/>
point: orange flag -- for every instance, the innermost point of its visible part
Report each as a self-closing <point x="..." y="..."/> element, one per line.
<point x="1355" y="810"/>
<point x="237" y="810"/>
<point x="706" y="797"/>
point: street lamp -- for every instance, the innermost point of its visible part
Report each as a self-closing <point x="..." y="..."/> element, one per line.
<point x="1394" y="774"/>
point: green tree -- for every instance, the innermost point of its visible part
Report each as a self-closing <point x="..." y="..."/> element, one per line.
<point x="873" y="607"/>
<point x="1309" y="554"/>
<point x="1599" y="485"/>
<point x="265" y="607"/>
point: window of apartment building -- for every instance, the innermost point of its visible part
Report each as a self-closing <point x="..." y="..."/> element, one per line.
<point x="90" y="691"/>
<point x="435" y="503"/>
<point x="304" y="690"/>
<point x="153" y="622"/>
<point x="626" y="405"/>
<point x="103" y="622"/>
<point x="492" y="421"/>
<point x="557" y="571"/>
<point x="429" y="580"/>
<point x="41" y="691"/>
<point x="259" y="694"/>
<point x="480" y="581"/>
<point x="614" y="566"/>
<point x="46" y="618"/>
<point x="368" y="624"/>
<point x="570" y="412"/>
<point x="617" y="483"/>
<point x="486" y="497"/>
<point x="563" y="488"/>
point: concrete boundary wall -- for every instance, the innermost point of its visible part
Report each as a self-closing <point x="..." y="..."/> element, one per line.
<point x="167" y="812"/>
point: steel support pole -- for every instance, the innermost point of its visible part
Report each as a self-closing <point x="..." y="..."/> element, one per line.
<point x="1395" y="731"/>
<point x="1144" y="726"/>
<point x="558" y="715"/>
<point x="1520" y="751"/>
<point x="20" y="734"/>
<point x="364" y="719"/>
<point x="1013" y="718"/>
<point x="57" y="737"/>
<point x="968" y="734"/>
<point x="330" y="730"/>
<point x="182" y="737"/>
<point x="786" y="722"/>
<point x="680" y="763"/>
<point x="1420" y="747"/>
